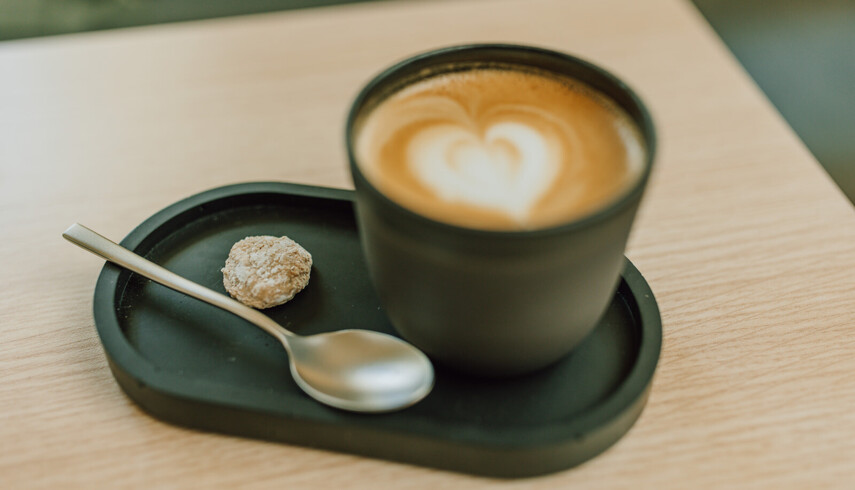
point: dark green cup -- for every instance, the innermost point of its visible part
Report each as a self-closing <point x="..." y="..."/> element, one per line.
<point x="494" y="302"/>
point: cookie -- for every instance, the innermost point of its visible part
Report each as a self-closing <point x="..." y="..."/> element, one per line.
<point x="266" y="271"/>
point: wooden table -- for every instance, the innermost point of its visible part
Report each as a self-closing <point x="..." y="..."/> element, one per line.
<point x="748" y="245"/>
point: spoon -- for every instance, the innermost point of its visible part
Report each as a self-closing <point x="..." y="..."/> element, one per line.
<point x="356" y="370"/>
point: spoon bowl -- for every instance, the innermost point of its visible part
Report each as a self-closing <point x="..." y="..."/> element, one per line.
<point x="356" y="370"/>
<point x="364" y="372"/>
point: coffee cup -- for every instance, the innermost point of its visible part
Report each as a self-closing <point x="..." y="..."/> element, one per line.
<point x="496" y="186"/>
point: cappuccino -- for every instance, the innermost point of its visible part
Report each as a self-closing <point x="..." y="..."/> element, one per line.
<point x="499" y="148"/>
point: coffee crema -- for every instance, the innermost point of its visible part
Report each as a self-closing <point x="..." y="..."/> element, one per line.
<point x="499" y="149"/>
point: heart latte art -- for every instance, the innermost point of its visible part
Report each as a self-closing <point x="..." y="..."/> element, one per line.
<point x="499" y="149"/>
<point x="508" y="168"/>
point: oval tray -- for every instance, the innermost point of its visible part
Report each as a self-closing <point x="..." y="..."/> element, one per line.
<point x="189" y="363"/>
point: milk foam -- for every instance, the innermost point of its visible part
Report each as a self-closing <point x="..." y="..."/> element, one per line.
<point x="508" y="169"/>
<point x="495" y="148"/>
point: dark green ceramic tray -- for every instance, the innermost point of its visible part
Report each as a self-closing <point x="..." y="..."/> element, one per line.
<point x="191" y="364"/>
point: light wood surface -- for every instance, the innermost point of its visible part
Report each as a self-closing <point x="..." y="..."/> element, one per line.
<point x="748" y="245"/>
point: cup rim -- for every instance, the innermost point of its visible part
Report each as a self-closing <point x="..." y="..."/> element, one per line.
<point x="645" y="125"/>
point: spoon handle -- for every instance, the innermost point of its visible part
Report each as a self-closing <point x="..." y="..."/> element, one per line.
<point x="85" y="238"/>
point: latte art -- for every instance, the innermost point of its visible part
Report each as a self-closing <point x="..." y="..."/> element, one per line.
<point x="499" y="149"/>
<point x="507" y="169"/>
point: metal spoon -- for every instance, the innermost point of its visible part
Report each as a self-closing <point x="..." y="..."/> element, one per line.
<point x="357" y="370"/>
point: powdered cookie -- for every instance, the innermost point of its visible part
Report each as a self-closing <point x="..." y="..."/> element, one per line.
<point x="265" y="271"/>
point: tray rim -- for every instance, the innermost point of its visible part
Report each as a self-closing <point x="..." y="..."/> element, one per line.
<point x="122" y="355"/>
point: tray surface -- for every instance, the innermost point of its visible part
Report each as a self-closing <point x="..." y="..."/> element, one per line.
<point x="192" y="364"/>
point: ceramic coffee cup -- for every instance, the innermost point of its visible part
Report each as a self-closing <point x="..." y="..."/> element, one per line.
<point x="494" y="302"/>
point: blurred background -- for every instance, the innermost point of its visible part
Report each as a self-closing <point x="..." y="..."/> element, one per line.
<point x="801" y="54"/>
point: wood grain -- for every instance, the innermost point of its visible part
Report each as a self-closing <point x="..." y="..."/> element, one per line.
<point x="748" y="245"/>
